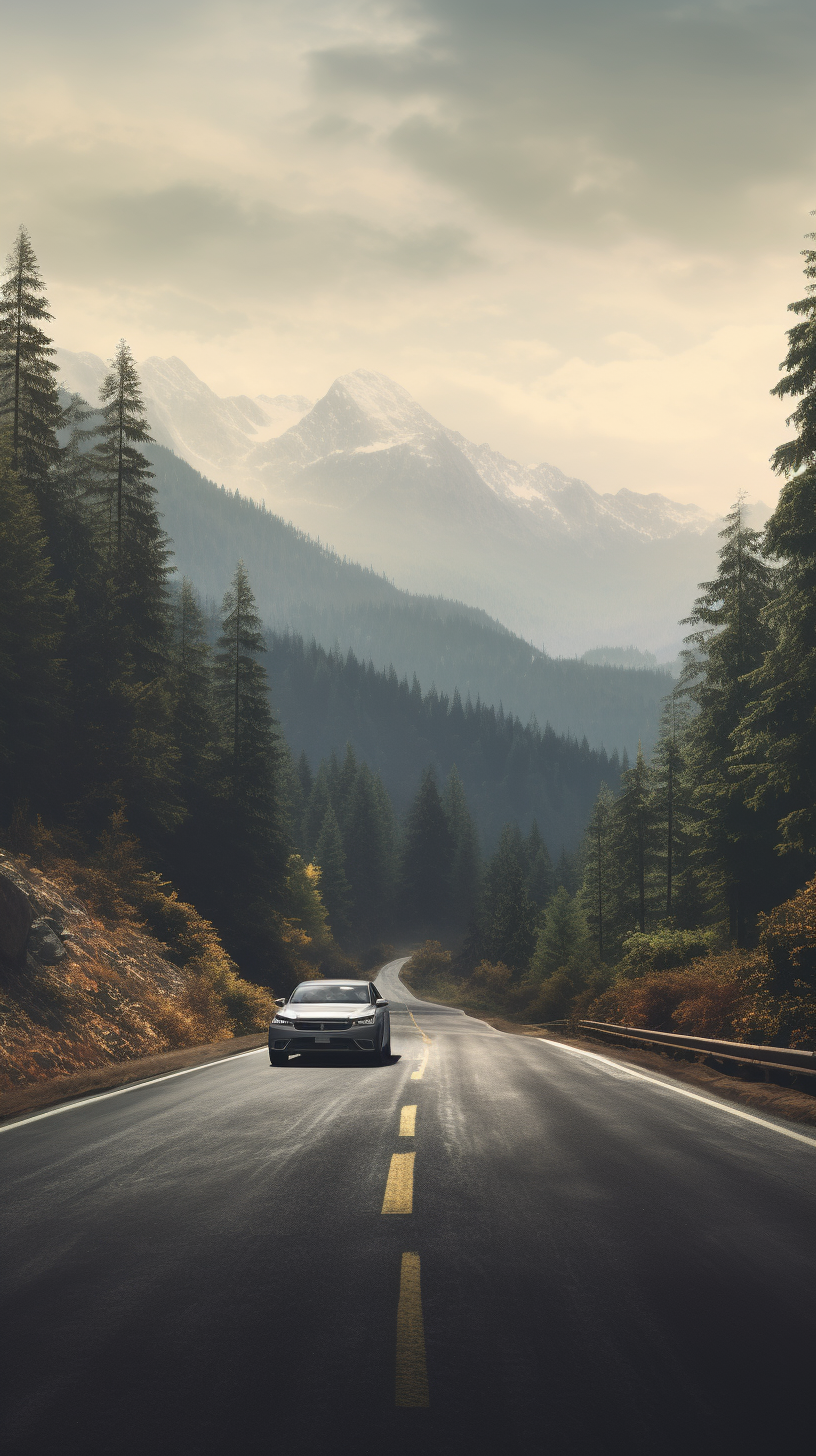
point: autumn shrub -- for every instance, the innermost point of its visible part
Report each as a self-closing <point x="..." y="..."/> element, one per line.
<point x="428" y="964"/>
<point x="663" y="949"/>
<point x="703" y="999"/>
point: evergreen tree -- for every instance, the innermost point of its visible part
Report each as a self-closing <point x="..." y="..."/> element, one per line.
<point x="29" y="397"/>
<point x="137" y="547"/>
<point x="466" y="865"/>
<point x="31" y="626"/>
<point x="191" y="676"/>
<point x="319" y="801"/>
<point x="252" y="848"/>
<point x="674" y="794"/>
<point x="334" y="886"/>
<point x="633" y="846"/>
<point x="568" y="873"/>
<point x="368" y="846"/>
<point x="776" y="743"/>
<point x="540" y="872"/>
<point x="505" y="924"/>
<point x="562" y="937"/>
<point x="599" y="871"/>
<point x="731" y="637"/>
<point x="427" y="857"/>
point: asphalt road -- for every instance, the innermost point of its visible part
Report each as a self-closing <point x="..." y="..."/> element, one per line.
<point x="599" y="1260"/>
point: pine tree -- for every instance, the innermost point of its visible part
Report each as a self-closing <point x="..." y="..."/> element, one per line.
<point x="334" y="886"/>
<point x="540" y="871"/>
<point x="633" y="847"/>
<point x="599" y="874"/>
<point x="29" y="397"/>
<point x="561" y="938"/>
<point x="731" y="637"/>
<point x="319" y="801"/>
<point x="191" y="676"/>
<point x="368" y="847"/>
<point x="677" y="827"/>
<point x="31" y="627"/>
<point x="427" y="857"/>
<point x="466" y="865"/>
<point x="505" y="924"/>
<point x="252" y="849"/>
<point x="137" y="547"/>
<point x="776" y="743"/>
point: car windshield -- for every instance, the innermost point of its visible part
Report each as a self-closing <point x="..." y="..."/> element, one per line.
<point x="321" y="993"/>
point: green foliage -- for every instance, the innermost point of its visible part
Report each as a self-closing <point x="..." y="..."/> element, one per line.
<point x="506" y="920"/>
<point x="633" y="845"/>
<point x="563" y="940"/>
<point x="336" y="891"/>
<point x="29" y="399"/>
<point x="31" y="629"/>
<point x="427" y="858"/>
<point x="664" y="948"/>
<point x="466" y="863"/>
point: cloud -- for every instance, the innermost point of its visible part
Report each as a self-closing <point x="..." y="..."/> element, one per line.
<point x="579" y="116"/>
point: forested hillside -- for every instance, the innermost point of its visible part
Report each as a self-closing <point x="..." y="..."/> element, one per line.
<point x="508" y="770"/>
<point x="303" y="588"/>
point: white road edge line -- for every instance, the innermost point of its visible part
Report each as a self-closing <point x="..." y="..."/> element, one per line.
<point x="681" y="1091"/>
<point x="131" y="1087"/>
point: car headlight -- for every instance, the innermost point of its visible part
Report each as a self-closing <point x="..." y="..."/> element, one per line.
<point x="365" y="1021"/>
<point x="282" y="1021"/>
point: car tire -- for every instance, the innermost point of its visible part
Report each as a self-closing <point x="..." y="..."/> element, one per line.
<point x="278" y="1059"/>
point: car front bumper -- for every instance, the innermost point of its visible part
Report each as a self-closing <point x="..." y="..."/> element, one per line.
<point x="294" y="1039"/>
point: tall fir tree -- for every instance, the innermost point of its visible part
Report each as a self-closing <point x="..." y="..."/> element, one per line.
<point x="251" y="848"/>
<point x="427" y="857"/>
<point x="677" y="885"/>
<point x="540" y="871"/>
<point x="505" y="924"/>
<point x="599" y="870"/>
<point x="367" y="838"/>
<point x="730" y="638"/>
<point x="633" y="848"/>
<point x="31" y="629"/>
<point x="776" y="742"/>
<point x="138" y="550"/>
<point x="29" y="396"/>
<point x="466" y="864"/>
<point x="192" y="695"/>
<point x="334" y="885"/>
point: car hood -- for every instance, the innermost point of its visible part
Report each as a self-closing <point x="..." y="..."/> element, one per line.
<point x="326" y="1013"/>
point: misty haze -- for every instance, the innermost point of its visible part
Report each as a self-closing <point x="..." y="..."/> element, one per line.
<point x="407" y="704"/>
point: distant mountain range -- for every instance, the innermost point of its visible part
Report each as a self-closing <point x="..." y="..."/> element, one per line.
<point x="306" y="589"/>
<point x="370" y="472"/>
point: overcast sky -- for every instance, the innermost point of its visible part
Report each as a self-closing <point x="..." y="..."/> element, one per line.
<point x="569" y="227"/>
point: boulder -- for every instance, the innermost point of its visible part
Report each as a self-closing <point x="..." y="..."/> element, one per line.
<point x="16" y="918"/>
<point x="44" y="945"/>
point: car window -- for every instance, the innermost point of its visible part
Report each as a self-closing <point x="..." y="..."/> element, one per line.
<point x="375" y="995"/>
<point x="325" y="993"/>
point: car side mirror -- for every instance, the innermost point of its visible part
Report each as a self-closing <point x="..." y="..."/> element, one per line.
<point x="280" y="1000"/>
<point x="380" y="1002"/>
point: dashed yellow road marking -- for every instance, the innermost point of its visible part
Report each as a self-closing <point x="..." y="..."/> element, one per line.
<point x="412" y="1370"/>
<point x="408" y="1121"/>
<point x="399" y="1190"/>
<point x="418" y="1074"/>
<point x="418" y="1027"/>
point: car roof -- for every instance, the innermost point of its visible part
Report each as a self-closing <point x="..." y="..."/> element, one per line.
<point x="335" y="981"/>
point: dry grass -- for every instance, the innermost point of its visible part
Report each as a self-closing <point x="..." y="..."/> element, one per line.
<point x="118" y="994"/>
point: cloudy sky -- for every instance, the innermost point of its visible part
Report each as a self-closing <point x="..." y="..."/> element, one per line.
<point x="569" y="227"/>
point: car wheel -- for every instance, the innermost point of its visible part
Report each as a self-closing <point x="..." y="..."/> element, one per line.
<point x="278" y="1059"/>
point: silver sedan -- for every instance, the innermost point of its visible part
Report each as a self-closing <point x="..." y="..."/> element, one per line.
<point x="331" y="1016"/>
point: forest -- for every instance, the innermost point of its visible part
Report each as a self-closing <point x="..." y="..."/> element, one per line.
<point x="696" y="906"/>
<point x="138" y="735"/>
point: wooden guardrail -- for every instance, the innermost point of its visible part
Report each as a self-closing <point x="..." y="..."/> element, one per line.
<point x="787" y="1059"/>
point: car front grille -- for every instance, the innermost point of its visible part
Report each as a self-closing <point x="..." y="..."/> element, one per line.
<point x="303" y="1024"/>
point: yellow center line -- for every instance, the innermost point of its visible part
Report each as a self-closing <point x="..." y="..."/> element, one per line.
<point x="418" y="1027"/>
<point x="412" y="1370"/>
<point x="408" y="1121"/>
<point x="417" y="1075"/>
<point x="399" y="1190"/>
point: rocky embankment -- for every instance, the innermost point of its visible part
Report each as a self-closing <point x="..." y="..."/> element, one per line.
<point x="78" y="990"/>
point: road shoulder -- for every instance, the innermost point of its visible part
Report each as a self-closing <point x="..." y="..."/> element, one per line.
<point x="35" y="1096"/>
